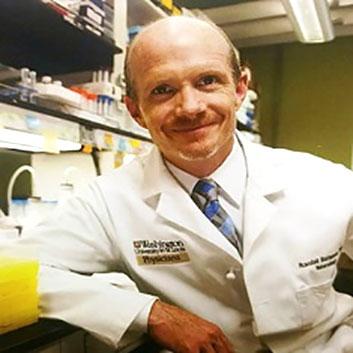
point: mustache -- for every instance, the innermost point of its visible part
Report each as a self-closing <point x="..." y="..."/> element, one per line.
<point x="185" y="123"/>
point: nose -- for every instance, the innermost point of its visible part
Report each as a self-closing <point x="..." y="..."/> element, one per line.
<point x="189" y="102"/>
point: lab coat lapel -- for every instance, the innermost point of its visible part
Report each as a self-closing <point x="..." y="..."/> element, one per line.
<point x="181" y="210"/>
<point x="264" y="186"/>
<point x="172" y="202"/>
<point x="257" y="214"/>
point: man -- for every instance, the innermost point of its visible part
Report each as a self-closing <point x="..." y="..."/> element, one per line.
<point x="254" y="273"/>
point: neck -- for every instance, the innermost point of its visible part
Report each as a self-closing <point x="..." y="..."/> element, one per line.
<point x="204" y="167"/>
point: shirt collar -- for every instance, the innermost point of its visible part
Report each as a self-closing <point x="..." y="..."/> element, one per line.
<point x="230" y="175"/>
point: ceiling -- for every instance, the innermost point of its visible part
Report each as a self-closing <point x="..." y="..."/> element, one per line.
<point x="263" y="22"/>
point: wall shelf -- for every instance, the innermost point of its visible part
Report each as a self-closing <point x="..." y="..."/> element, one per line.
<point x="63" y="122"/>
<point x="34" y="35"/>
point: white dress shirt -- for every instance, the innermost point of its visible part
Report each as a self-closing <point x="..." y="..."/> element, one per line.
<point x="230" y="176"/>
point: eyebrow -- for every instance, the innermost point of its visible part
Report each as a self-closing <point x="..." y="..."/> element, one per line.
<point x="169" y="75"/>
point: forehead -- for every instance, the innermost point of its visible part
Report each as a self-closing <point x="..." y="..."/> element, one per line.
<point x="176" y="43"/>
<point x="186" y="52"/>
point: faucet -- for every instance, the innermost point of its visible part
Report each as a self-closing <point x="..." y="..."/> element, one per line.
<point x="17" y="172"/>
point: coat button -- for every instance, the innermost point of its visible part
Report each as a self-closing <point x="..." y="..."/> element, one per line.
<point x="231" y="275"/>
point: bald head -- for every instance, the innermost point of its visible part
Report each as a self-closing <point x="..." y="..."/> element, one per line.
<point x="176" y="30"/>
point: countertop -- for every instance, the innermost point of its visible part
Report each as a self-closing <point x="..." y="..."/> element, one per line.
<point x="31" y="337"/>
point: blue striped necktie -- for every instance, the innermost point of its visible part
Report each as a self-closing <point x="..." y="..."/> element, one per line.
<point x="205" y="195"/>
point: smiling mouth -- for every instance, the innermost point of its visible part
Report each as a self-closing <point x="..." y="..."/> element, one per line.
<point x="192" y="128"/>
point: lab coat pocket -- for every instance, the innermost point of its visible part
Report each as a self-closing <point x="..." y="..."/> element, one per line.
<point x="312" y="301"/>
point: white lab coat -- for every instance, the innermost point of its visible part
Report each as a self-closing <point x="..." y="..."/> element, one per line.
<point x="298" y="218"/>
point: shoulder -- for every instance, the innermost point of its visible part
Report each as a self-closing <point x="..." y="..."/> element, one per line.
<point x="126" y="178"/>
<point x="298" y="168"/>
<point x="296" y="159"/>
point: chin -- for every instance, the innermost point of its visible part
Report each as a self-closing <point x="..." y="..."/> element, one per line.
<point x="198" y="154"/>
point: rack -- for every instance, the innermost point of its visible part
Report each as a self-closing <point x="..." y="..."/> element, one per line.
<point x="35" y="34"/>
<point x="42" y="35"/>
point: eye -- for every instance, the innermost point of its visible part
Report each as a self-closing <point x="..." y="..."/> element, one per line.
<point x="162" y="89"/>
<point x="208" y="80"/>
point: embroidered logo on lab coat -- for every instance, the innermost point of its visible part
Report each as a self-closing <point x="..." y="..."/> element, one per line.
<point x="321" y="262"/>
<point x="158" y="252"/>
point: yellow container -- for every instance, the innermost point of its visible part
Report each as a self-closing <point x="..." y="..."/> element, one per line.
<point x="167" y="3"/>
<point x="176" y="11"/>
<point x="18" y="292"/>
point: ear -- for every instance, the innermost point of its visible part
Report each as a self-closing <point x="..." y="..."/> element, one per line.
<point x="134" y="111"/>
<point x="242" y="85"/>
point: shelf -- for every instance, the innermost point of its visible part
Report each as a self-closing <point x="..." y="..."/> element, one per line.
<point x="27" y="110"/>
<point x="34" y="35"/>
<point x="141" y="12"/>
<point x="19" y="119"/>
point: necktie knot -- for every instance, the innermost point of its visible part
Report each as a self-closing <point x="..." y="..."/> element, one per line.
<point x="206" y="188"/>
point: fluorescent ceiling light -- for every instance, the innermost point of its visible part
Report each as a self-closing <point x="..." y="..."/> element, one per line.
<point x="310" y="19"/>
<point x="26" y="141"/>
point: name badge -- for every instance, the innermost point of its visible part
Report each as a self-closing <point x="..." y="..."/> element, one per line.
<point x="160" y="252"/>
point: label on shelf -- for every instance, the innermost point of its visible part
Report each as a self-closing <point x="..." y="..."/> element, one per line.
<point x="50" y="142"/>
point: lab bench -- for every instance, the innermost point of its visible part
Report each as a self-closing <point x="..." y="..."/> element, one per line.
<point x="36" y="336"/>
<point x="55" y="336"/>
